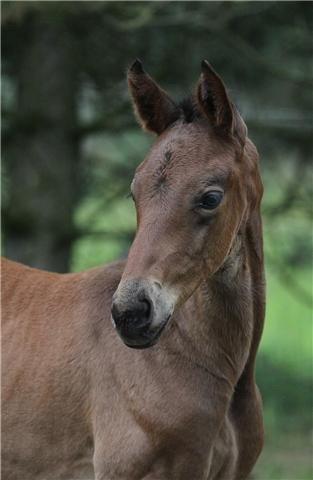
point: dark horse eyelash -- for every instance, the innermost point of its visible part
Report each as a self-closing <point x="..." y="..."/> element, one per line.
<point x="129" y="195"/>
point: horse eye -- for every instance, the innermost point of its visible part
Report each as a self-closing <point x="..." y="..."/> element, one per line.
<point x="210" y="200"/>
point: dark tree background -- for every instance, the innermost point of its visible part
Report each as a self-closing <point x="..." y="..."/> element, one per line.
<point x="56" y="53"/>
<point x="70" y="145"/>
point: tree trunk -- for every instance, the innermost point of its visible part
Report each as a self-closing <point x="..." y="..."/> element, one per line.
<point x="42" y="158"/>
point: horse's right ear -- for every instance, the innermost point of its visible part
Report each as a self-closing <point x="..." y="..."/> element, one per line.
<point x="216" y="104"/>
<point x="154" y="109"/>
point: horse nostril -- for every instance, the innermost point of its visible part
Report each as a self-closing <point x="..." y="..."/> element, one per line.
<point x="145" y="308"/>
<point x="133" y="314"/>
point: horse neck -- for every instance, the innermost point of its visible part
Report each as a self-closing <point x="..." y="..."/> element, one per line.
<point x="220" y="326"/>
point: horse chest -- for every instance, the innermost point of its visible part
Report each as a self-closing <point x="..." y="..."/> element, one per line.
<point x="163" y="422"/>
<point x="177" y="441"/>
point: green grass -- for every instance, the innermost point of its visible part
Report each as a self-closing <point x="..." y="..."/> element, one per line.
<point x="284" y="374"/>
<point x="287" y="335"/>
<point x="285" y="457"/>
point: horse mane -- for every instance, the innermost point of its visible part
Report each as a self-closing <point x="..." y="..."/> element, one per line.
<point x="190" y="109"/>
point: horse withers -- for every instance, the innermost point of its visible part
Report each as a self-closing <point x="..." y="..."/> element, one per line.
<point x="182" y="402"/>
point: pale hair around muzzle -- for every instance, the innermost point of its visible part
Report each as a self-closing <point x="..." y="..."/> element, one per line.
<point x="140" y="310"/>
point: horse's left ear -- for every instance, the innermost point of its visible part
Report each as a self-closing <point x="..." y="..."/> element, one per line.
<point x="154" y="108"/>
<point x="216" y="104"/>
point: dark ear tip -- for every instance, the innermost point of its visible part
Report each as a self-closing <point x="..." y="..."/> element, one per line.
<point x="205" y="66"/>
<point x="136" y="67"/>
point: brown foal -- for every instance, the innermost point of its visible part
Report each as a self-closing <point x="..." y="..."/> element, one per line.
<point x="77" y="402"/>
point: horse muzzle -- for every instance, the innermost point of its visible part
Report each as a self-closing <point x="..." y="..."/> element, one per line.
<point x="140" y="311"/>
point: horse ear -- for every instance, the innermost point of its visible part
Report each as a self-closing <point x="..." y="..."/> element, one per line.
<point x="154" y="109"/>
<point x="216" y="105"/>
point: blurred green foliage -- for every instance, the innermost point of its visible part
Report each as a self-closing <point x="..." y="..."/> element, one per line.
<point x="71" y="145"/>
